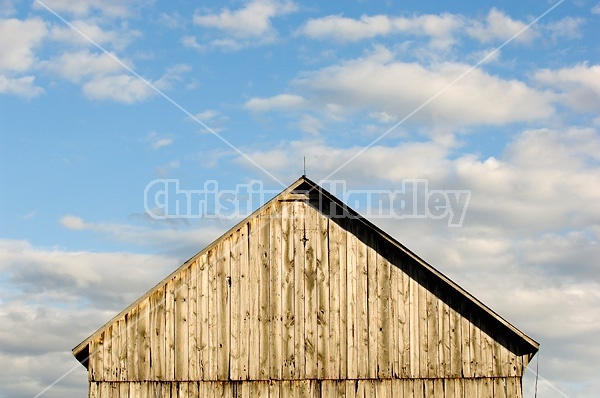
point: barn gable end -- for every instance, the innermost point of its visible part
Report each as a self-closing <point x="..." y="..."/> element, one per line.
<point x="308" y="298"/>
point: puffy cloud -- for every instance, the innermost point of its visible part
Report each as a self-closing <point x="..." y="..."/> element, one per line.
<point x="378" y="83"/>
<point x="18" y="38"/>
<point x="118" y="38"/>
<point x="21" y="86"/>
<point x="281" y="101"/>
<point x="248" y="25"/>
<point x="440" y="28"/>
<point x="568" y="28"/>
<point x="75" y="66"/>
<point x="342" y="29"/>
<point x="579" y="85"/>
<point x="80" y="8"/>
<point x="121" y="88"/>
<point x="99" y="74"/>
<point x="500" y="27"/>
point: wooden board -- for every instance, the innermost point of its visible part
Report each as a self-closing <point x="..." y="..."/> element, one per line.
<point x="299" y="365"/>
<point x="310" y="242"/>
<point x="223" y="308"/>
<point x="324" y="366"/>
<point x="265" y="294"/>
<point x="193" y="324"/>
<point x="169" y="330"/>
<point x="254" y="288"/>
<point x="275" y="314"/>
<point x="181" y="325"/>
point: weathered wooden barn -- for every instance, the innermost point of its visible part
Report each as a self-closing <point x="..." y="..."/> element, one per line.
<point x="305" y="298"/>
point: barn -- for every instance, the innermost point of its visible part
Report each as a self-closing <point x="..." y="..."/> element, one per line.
<point x="306" y="298"/>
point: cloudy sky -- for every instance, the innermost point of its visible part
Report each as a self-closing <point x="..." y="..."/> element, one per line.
<point x="98" y="98"/>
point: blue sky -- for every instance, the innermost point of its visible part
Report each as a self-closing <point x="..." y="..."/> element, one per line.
<point x="81" y="137"/>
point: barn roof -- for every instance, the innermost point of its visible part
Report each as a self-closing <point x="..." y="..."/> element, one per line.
<point x="304" y="186"/>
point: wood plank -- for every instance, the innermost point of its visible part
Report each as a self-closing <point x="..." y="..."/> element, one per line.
<point x="299" y="366"/>
<point x="470" y="388"/>
<point x="428" y="388"/>
<point x="363" y="288"/>
<point x="193" y="391"/>
<point x="265" y="292"/>
<point x="499" y="387"/>
<point x="143" y="343"/>
<point x="124" y="391"/>
<point x="438" y="388"/>
<point x="386" y="323"/>
<point x="105" y="391"/>
<point x="123" y="349"/>
<point x="333" y="338"/>
<point x="424" y="342"/>
<point x="433" y="339"/>
<point x="236" y="307"/>
<point x="456" y="343"/>
<point x="132" y="355"/>
<point x="274" y="389"/>
<point x="310" y="291"/>
<point x="324" y="369"/>
<point x="404" y="325"/>
<point x="351" y="315"/>
<point x="466" y="356"/>
<point x="275" y="315"/>
<point x="107" y="355"/>
<point x="485" y="388"/>
<point x="94" y="390"/>
<point x="395" y="348"/>
<point x="169" y="330"/>
<point x="181" y="325"/>
<point x="95" y="359"/>
<point x="409" y="389"/>
<point x="415" y="347"/>
<point x="487" y="355"/>
<point x="156" y="335"/>
<point x="115" y="363"/>
<point x="475" y="348"/>
<point x="443" y="339"/>
<point x="193" y="373"/>
<point x="244" y="304"/>
<point x="351" y="387"/>
<point x="343" y="294"/>
<point x="223" y="308"/>
<point x="372" y="318"/>
<point x="254" y="286"/>
<point x="203" y="307"/>
<point x="287" y="290"/>
<point x="383" y="388"/>
<point x="210" y="371"/>
<point x="398" y="388"/>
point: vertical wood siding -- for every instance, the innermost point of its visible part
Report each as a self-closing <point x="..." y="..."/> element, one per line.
<point x="293" y="295"/>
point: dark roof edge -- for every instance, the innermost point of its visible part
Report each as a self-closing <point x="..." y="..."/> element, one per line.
<point x="534" y="344"/>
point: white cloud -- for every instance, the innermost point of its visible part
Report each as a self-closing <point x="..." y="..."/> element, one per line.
<point x="99" y="74"/>
<point x="81" y="8"/>
<point x="73" y="222"/>
<point x="310" y="124"/>
<point x="500" y="27"/>
<point x="75" y="66"/>
<point x="161" y="142"/>
<point x="246" y="26"/>
<point x="117" y="39"/>
<point x="121" y="88"/>
<point x="567" y="28"/>
<point x="377" y="83"/>
<point x="440" y="28"/>
<point x="281" y="101"/>
<point x="344" y="29"/>
<point x="254" y="19"/>
<point x="21" y="86"/>
<point x="578" y="86"/>
<point x="596" y="9"/>
<point x="17" y="41"/>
